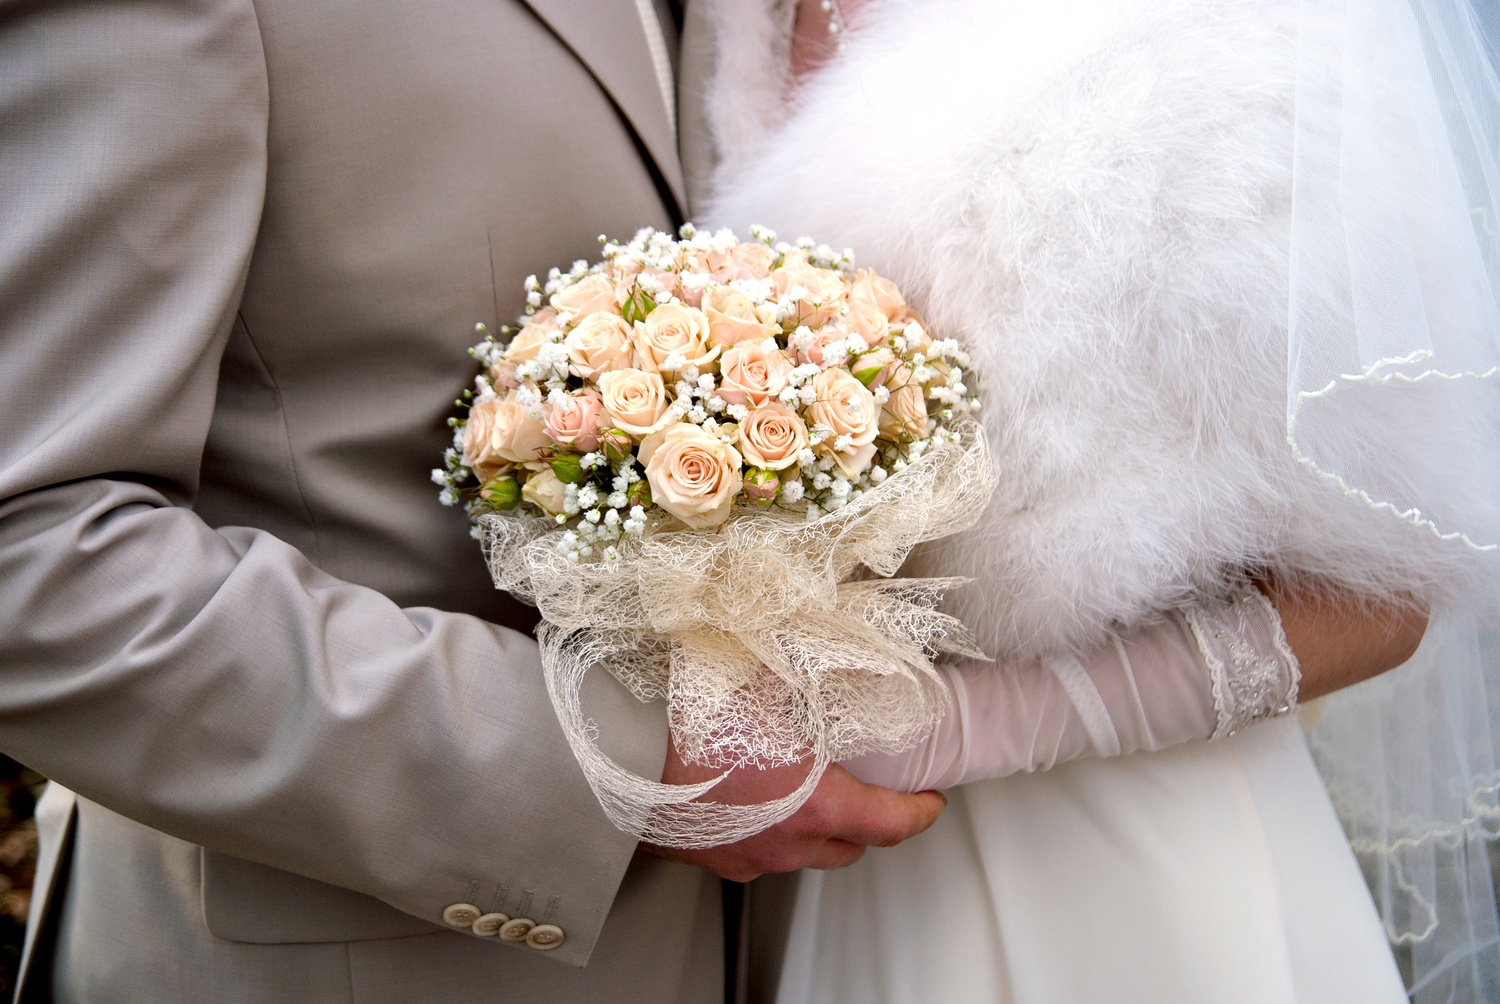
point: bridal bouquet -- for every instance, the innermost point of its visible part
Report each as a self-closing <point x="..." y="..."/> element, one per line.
<point x="702" y="460"/>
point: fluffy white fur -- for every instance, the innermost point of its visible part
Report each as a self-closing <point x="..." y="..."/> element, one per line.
<point x="1095" y="194"/>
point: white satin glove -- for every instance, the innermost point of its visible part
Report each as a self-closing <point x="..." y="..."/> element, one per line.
<point x="1206" y="671"/>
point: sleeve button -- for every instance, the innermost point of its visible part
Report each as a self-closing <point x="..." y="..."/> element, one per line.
<point x="516" y="930"/>
<point x="461" y="915"/>
<point x="545" y="937"/>
<point x="490" y="924"/>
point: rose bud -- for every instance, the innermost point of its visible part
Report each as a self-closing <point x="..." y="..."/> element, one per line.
<point x="567" y="468"/>
<point x="501" y="492"/>
<point x="616" y="444"/>
<point x="640" y="494"/>
<point x="761" y="485"/>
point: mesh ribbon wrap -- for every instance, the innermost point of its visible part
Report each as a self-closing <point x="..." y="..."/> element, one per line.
<point x="772" y="639"/>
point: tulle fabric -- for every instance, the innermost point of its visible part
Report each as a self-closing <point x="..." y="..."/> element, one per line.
<point x="1394" y="395"/>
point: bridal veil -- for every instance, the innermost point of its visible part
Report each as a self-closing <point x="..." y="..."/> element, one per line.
<point x="1394" y="394"/>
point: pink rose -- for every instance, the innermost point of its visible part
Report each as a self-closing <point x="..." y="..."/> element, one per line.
<point x="693" y="475"/>
<point x="635" y="401"/>
<point x="772" y="436"/>
<point x="587" y="296"/>
<point x="503" y="375"/>
<point x="753" y="374"/>
<point x="598" y="343"/>
<point x="578" y="425"/>
<point x="883" y="361"/>
<point x="822" y="338"/>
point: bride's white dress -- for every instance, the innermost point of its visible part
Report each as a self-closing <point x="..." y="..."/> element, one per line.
<point x="1098" y="195"/>
<point x="1211" y="872"/>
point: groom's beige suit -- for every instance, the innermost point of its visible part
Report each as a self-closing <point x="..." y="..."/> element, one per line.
<point x="243" y="246"/>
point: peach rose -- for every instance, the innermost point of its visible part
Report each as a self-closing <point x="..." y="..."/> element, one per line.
<point x="844" y="405"/>
<point x="825" y="289"/>
<point x="577" y="427"/>
<point x="672" y="329"/>
<point x="598" y="343"/>
<point x="693" y="475"/>
<point x="879" y="292"/>
<point x="546" y="491"/>
<point x="536" y="333"/>
<point x="732" y="318"/>
<point x="866" y="320"/>
<point x="904" y="416"/>
<point x="634" y="401"/>
<point x="772" y="436"/>
<point x="499" y="431"/>
<point x="744" y="261"/>
<point x="587" y="296"/>
<point x="752" y="260"/>
<point x="753" y="374"/>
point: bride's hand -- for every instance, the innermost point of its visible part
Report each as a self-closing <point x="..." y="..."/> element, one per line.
<point x="831" y="830"/>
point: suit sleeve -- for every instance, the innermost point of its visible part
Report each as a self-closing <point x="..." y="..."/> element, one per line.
<point x="213" y="684"/>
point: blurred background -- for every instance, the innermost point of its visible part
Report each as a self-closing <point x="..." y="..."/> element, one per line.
<point x="19" y="790"/>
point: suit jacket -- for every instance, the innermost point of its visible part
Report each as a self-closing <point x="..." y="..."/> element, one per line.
<point x="245" y="244"/>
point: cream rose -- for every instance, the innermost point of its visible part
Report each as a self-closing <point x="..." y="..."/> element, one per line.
<point x="537" y="332"/>
<point x="772" y="436"/>
<point x="879" y="292"/>
<point x="824" y="299"/>
<point x="672" y="329"/>
<point x="578" y="426"/>
<point x="545" y="490"/>
<point x="904" y="416"/>
<point x="732" y="318"/>
<point x="854" y="462"/>
<point x="598" y="343"/>
<point x="845" y="405"/>
<point x="866" y="320"/>
<point x="753" y="374"/>
<point x="499" y="431"/>
<point x="587" y="296"/>
<point x="635" y="401"/>
<point x="693" y="475"/>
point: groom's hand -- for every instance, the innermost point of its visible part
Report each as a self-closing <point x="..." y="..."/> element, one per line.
<point x="831" y="830"/>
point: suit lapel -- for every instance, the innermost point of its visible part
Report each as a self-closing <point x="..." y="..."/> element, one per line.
<point x="608" y="37"/>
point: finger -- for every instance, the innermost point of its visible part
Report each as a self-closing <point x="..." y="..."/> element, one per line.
<point x="869" y="814"/>
<point x="835" y="854"/>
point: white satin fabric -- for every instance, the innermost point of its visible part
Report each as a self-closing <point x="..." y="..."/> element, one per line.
<point x="1209" y="872"/>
